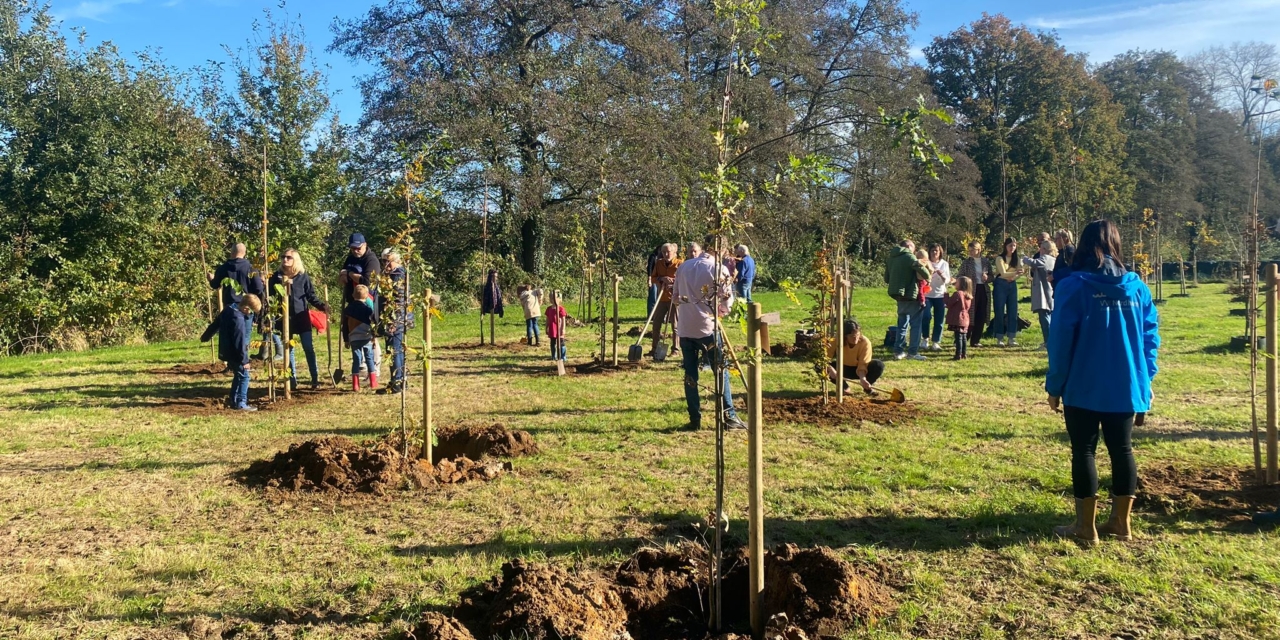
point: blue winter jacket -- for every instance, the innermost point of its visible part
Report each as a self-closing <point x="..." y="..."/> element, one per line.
<point x="746" y="270"/>
<point x="1103" y="341"/>
<point x="232" y="343"/>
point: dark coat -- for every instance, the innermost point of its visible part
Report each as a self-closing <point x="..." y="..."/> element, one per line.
<point x="958" y="305"/>
<point x="396" y="322"/>
<point x="232" y="339"/>
<point x="491" y="297"/>
<point x="301" y="295"/>
<point x="366" y="266"/>
<point x="243" y="273"/>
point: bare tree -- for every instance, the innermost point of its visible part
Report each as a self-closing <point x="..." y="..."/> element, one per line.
<point x="1229" y="74"/>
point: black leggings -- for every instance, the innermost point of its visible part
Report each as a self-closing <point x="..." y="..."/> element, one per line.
<point x="1117" y="432"/>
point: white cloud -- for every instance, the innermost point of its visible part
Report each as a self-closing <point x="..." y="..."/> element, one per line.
<point x="96" y="10"/>
<point x="1185" y="27"/>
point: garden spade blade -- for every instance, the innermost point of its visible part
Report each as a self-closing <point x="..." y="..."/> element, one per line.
<point x="559" y="367"/>
<point x="635" y="352"/>
<point x="896" y="396"/>
<point x="660" y="352"/>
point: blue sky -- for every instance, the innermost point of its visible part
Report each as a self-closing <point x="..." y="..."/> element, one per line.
<point x="191" y="32"/>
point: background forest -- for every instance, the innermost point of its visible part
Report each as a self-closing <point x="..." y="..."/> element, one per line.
<point x="121" y="181"/>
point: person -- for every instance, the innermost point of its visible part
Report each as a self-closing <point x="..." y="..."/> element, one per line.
<point x="664" y="273"/>
<point x="858" y="363"/>
<point x="702" y="292"/>
<point x="654" y="257"/>
<point x="293" y="272"/>
<point x="745" y="279"/>
<point x="360" y="321"/>
<point x="1066" y="252"/>
<point x="556" y="316"/>
<point x="233" y="347"/>
<point x="360" y="268"/>
<point x="935" y="300"/>
<point x="1102" y="357"/>
<point x="491" y="296"/>
<point x="1006" y="271"/>
<point x="904" y="274"/>
<point x="531" y="301"/>
<point x="977" y="269"/>
<point x="394" y="325"/>
<point x="247" y="282"/>
<point x="1041" y="287"/>
<point x="959" y="304"/>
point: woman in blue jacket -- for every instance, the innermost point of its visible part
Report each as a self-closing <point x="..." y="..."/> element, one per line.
<point x="1102" y="357"/>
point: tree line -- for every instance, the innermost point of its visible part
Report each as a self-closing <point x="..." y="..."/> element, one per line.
<point x="585" y="129"/>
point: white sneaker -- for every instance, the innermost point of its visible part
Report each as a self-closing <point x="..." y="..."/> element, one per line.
<point x="900" y="356"/>
<point x="936" y="347"/>
<point x="1013" y="342"/>
<point x="918" y="357"/>
<point x="1000" y="342"/>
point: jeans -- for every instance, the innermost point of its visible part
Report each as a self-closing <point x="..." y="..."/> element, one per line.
<point x="653" y="300"/>
<point x="362" y="357"/>
<point x="692" y="350"/>
<point x="531" y="330"/>
<point x="962" y="345"/>
<point x="239" y="387"/>
<point x="308" y="348"/>
<point x="1117" y="432"/>
<point x="1045" y="317"/>
<point x="743" y="291"/>
<point x="395" y="343"/>
<point x="934" y="309"/>
<point x="910" y="314"/>
<point x="554" y="343"/>
<point x="1006" y="306"/>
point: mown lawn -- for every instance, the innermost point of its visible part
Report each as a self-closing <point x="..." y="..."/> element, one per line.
<point x="120" y="515"/>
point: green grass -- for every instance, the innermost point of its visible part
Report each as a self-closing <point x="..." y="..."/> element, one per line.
<point x="121" y="518"/>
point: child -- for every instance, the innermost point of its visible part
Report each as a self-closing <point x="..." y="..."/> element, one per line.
<point x="958" y="305"/>
<point x="555" y="326"/>
<point x="233" y="348"/>
<point x="359" y="317"/>
<point x="923" y="257"/>
<point x="858" y="364"/>
<point x="531" y="300"/>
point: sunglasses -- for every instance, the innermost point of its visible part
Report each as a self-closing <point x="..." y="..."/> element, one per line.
<point x="289" y="258"/>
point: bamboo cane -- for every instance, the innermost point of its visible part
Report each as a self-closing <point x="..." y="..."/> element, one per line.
<point x="328" y="339"/>
<point x="1272" y="352"/>
<point x="425" y="453"/>
<point x="266" y="293"/>
<point x="840" y="338"/>
<point x="288" y="344"/>
<point x="617" y="281"/>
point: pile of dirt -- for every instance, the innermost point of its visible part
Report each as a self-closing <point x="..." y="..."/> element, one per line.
<point x="477" y="442"/>
<point x="634" y="332"/>
<point x="337" y="464"/>
<point x="1228" y="495"/>
<point x="205" y="369"/>
<point x="660" y="594"/>
<point x="855" y="408"/>
<point x="780" y="350"/>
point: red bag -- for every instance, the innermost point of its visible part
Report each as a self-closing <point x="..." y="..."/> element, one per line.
<point x="319" y="320"/>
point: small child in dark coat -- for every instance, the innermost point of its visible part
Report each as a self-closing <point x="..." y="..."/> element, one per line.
<point x="360" y="321"/>
<point x="958" y="305"/>
<point x="233" y="348"/>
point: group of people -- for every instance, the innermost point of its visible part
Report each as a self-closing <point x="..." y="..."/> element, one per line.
<point x="981" y="297"/>
<point x="738" y="267"/>
<point x="366" y="315"/>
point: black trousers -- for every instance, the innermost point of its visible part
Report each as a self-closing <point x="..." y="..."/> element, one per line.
<point x="1083" y="426"/>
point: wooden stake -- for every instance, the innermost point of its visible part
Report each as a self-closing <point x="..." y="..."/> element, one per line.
<point x="840" y="338"/>
<point x="617" y="281"/>
<point x="266" y="293"/>
<point x="755" y="461"/>
<point x="425" y="453"/>
<point x="1272" y="301"/>
<point x="288" y="346"/>
<point x="604" y="314"/>
<point x="328" y="339"/>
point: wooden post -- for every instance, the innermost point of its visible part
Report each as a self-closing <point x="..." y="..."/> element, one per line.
<point x="493" y="318"/>
<point x="266" y="293"/>
<point x="755" y="461"/>
<point x="288" y="348"/>
<point x="425" y="453"/>
<point x="328" y="340"/>
<point x="604" y="317"/>
<point x="1272" y="299"/>
<point x="840" y="338"/>
<point x="617" y="281"/>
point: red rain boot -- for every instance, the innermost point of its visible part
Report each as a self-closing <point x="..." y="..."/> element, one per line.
<point x="373" y="380"/>
<point x="355" y="383"/>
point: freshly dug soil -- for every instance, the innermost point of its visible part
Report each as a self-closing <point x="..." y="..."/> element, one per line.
<point x="1228" y="495"/>
<point x="634" y="332"/>
<point x="337" y="464"/>
<point x="780" y="350"/>
<point x="856" y="408"/>
<point x="204" y="369"/>
<point x="596" y="367"/>
<point x="437" y="626"/>
<point x="660" y="595"/>
<point x="477" y="442"/>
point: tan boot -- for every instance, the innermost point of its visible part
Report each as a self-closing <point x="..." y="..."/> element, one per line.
<point x="1085" y="530"/>
<point x="1117" y="526"/>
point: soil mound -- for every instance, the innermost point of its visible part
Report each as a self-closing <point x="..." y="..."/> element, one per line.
<point x="635" y="332"/>
<point x="660" y="594"/>
<point x="478" y="442"/>
<point x="1229" y="495"/>
<point x="855" y="408"/>
<point x="437" y="626"/>
<point x="781" y="350"/>
<point x="204" y="369"/>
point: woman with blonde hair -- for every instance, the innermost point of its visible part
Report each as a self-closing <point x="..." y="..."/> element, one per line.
<point x="293" y="272"/>
<point x="1042" y="266"/>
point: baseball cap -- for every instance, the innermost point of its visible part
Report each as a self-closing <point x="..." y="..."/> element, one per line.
<point x="356" y="240"/>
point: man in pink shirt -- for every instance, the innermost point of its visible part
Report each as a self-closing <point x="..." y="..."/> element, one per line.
<point x="701" y="282"/>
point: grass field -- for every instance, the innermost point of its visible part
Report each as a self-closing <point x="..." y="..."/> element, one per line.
<point x="120" y="516"/>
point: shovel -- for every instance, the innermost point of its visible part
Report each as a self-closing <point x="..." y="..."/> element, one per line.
<point x="340" y="373"/>
<point x="896" y="396"/>
<point x="636" y="352"/>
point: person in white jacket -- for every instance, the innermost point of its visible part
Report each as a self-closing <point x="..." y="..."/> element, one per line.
<point x="935" y="306"/>
<point x="531" y="302"/>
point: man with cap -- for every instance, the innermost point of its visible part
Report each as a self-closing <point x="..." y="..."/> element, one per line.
<point x="361" y="268"/>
